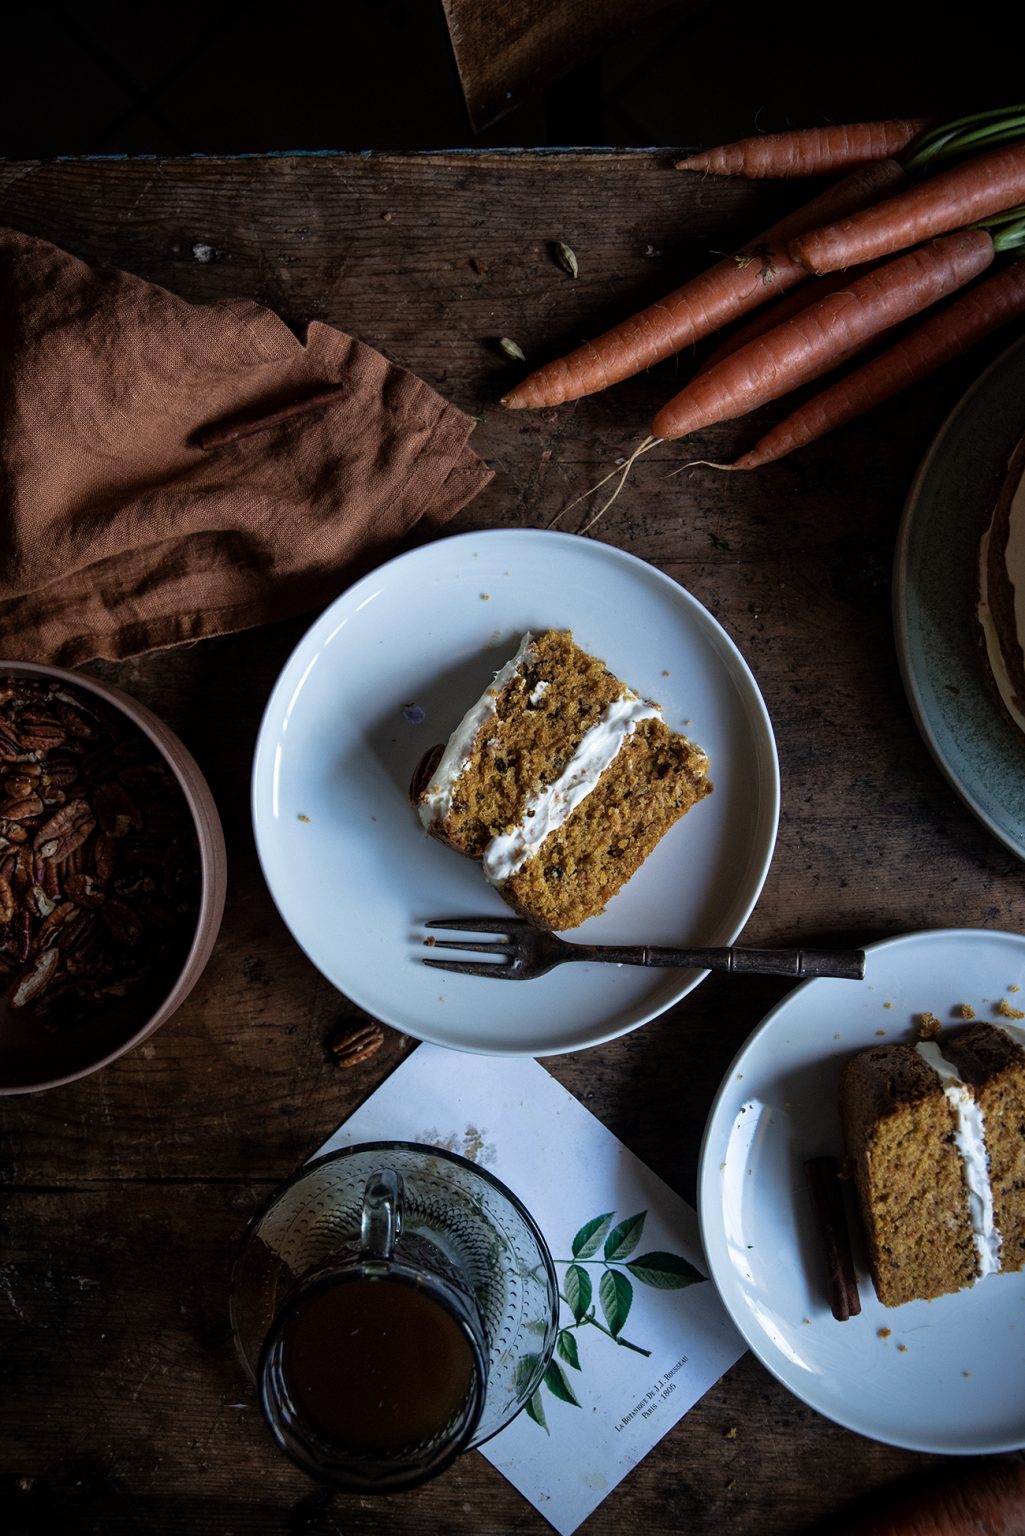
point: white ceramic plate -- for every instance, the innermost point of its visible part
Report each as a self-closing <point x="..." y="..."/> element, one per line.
<point x="934" y="597"/>
<point x="386" y="672"/>
<point x="948" y="1377"/>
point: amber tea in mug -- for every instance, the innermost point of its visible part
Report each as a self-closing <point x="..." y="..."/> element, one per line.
<point x="377" y="1368"/>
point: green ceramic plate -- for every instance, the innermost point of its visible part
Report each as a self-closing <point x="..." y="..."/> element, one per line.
<point x="934" y="600"/>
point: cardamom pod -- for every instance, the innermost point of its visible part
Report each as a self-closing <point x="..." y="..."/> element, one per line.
<point x="566" y="258"/>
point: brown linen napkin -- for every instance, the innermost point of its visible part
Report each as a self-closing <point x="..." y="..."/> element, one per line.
<point x="119" y="534"/>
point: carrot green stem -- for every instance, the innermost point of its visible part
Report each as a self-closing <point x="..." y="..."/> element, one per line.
<point x="963" y="135"/>
<point x="1007" y="229"/>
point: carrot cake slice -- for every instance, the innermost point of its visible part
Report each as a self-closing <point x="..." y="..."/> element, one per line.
<point x="1001" y="606"/>
<point x="560" y="780"/>
<point x="935" y="1136"/>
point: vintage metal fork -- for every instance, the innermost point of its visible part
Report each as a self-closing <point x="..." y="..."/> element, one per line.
<point x="525" y="952"/>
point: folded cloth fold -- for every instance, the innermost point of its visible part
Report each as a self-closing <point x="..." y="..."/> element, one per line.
<point x="120" y="533"/>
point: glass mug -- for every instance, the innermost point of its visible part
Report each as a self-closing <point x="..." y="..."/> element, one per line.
<point x="395" y="1305"/>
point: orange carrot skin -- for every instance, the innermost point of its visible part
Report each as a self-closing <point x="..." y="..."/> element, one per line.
<point x="783" y="308"/>
<point x="985" y="184"/>
<point x="821" y="336"/>
<point x="731" y="287"/>
<point x="939" y="340"/>
<point x="808" y="151"/>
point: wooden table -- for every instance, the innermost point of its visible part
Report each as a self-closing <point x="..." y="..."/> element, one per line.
<point x="123" y="1407"/>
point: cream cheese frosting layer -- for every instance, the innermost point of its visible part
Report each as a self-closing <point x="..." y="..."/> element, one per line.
<point x="970" y="1139"/>
<point x="436" y="801"/>
<point x="546" y="810"/>
<point x="1014" y="559"/>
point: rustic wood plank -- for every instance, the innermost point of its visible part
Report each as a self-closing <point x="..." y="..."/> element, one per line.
<point x="127" y="1192"/>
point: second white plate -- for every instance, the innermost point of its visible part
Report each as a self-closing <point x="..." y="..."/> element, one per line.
<point x="944" y="1375"/>
<point x="387" y="671"/>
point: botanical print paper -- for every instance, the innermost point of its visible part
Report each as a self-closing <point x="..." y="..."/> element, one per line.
<point x="643" y="1334"/>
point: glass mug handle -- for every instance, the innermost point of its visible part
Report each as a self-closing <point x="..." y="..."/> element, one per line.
<point x="381" y="1216"/>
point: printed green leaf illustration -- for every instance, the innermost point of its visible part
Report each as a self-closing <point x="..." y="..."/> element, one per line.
<point x="588" y="1239"/>
<point x="566" y="1348"/>
<point x="526" y="1370"/>
<point x="661" y="1271"/>
<point x="578" y="1290"/>
<point x="616" y="1295"/>
<point x="624" y="1238"/>
<point x="536" y="1411"/>
<point x="665" y="1271"/>
<point x="558" y="1386"/>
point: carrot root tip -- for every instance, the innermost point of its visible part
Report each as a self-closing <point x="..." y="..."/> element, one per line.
<point x="708" y="464"/>
<point x="622" y="469"/>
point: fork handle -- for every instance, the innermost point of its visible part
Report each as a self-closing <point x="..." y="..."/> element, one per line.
<point x="848" y="964"/>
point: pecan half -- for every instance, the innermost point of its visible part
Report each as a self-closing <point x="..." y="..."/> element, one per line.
<point x="35" y="979"/>
<point x="351" y="1046"/>
<point x="67" y="829"/>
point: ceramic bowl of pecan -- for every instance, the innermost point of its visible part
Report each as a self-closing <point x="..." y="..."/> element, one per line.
<point x="112" y="875"/>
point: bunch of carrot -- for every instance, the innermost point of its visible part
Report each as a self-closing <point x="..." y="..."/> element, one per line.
<point x="916" y="234"/>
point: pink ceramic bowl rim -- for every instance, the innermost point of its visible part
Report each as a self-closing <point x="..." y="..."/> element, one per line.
<point x="209" y="834"/>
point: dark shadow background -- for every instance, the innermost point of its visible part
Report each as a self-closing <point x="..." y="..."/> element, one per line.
<point x="223" y="78"/>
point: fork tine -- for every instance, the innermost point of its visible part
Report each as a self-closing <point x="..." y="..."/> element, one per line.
<point x="472" y="968"/>
<point x="490" y="947"/>
<point x="477" y="924"/>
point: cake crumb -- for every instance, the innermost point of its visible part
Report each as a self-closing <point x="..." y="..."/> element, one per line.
<point x="880" y="1031"/>
<point x="928" y="1026"/>
<point x="806" y="1321"/>
<point x="964" y="1011"/>
<point x="1007" y="1012"/>
<point x="966" y="1373"/>
<point x="301" y="817"/>
<point x="731" y="1433"/>
<point x="485" y="597"/>
<point x="1014" y="987"/>
<point x="903" y="1348"/>
<point x="887" y="1005"/>
<point x="884" y="1333"/>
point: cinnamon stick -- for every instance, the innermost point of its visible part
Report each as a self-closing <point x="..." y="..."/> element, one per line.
<point x="841" y="1281"/>
<point x="220" y="433"/>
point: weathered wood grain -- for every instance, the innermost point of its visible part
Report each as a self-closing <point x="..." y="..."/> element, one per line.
<point x="126" y="1194"/>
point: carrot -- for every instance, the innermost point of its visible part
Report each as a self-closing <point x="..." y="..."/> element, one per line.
<point x="987" y="1499"/>
<point x="729" y="288"/>
<point x="813" y="342"/>
<point x="783" y="308"/>
<point x="939" y="340"/>
<point x="808" y="151"/>
<point x="971" y="190"/>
